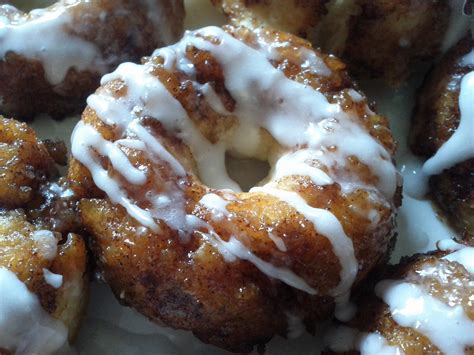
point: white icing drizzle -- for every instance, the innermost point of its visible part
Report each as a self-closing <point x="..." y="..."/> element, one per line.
<point x="279" y="243"/>
<point x="345" y="339"/>
<point x="295" y="164"/>
<point x="85" y="136"/>
<point x="295" y="116"/>
<point x="237" y="249"/>
<point x="461" y="254"/>
<point x="25" y="328"/>
<point x="46" y="244"/>
<point x="52" y="279"/>
<point x="213" y="99"/>
<point x="465" y="257"/>
<point x="37" y="36"/>
<point x="216" y="204"/>
<point x="460" y="146"/>
<point x="448" y="328"/>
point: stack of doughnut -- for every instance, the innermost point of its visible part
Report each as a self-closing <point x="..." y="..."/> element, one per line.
<point x="167" y="227"/>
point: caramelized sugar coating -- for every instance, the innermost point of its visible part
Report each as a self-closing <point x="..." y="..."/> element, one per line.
<point x="445" y="280"/>
<point x="436" y="118"/>
<point x="95" y="37"/>
<point x="24" y="164"/>
<point x="376" y="38"/>
<point x="32" y="200"/>
<point x="179" y="277"/>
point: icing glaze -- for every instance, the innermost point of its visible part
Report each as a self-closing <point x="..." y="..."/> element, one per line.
<point x="460" y="254"/>
<point x="52" y="279"/>
<point x="25" y="327"/>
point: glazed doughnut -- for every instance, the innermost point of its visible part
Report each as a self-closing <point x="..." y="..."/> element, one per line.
<point x="421" y="306"/>
<point x="174" y="235"/>
<point x="43" y="277"/>
<point x="51" y="59"/>
<point x="377" y="38"/>
<point x="442" y="132"/>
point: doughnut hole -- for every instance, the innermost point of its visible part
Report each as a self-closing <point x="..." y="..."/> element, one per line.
<point x="247" y="172"/>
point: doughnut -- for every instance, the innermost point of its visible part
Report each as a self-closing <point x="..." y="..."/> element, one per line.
<point x="421" y="306"/>
<point x="377" y="38"/>
<point x="43" y="278"/>
<point x="442" y="133"/>
<point x="40" y="76"/>
<point x="177" y="239"/>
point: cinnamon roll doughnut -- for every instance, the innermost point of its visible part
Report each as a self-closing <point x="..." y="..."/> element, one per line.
<point x="174" y="235"/>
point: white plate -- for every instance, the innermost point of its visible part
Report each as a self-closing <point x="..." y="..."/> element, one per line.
<point x="109" y="328"/>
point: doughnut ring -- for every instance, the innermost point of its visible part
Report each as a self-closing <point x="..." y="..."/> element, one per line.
<point x="174" y="235"/>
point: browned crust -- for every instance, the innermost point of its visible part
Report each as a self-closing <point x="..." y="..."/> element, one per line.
<point x="389" y="37"/>
<point x="125" y="34"/>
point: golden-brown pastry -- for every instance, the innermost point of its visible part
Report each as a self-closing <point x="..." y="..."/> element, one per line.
<point x="42" y="266"/>
<point x="178" y="240"/>
<point x="51" y="59"/>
